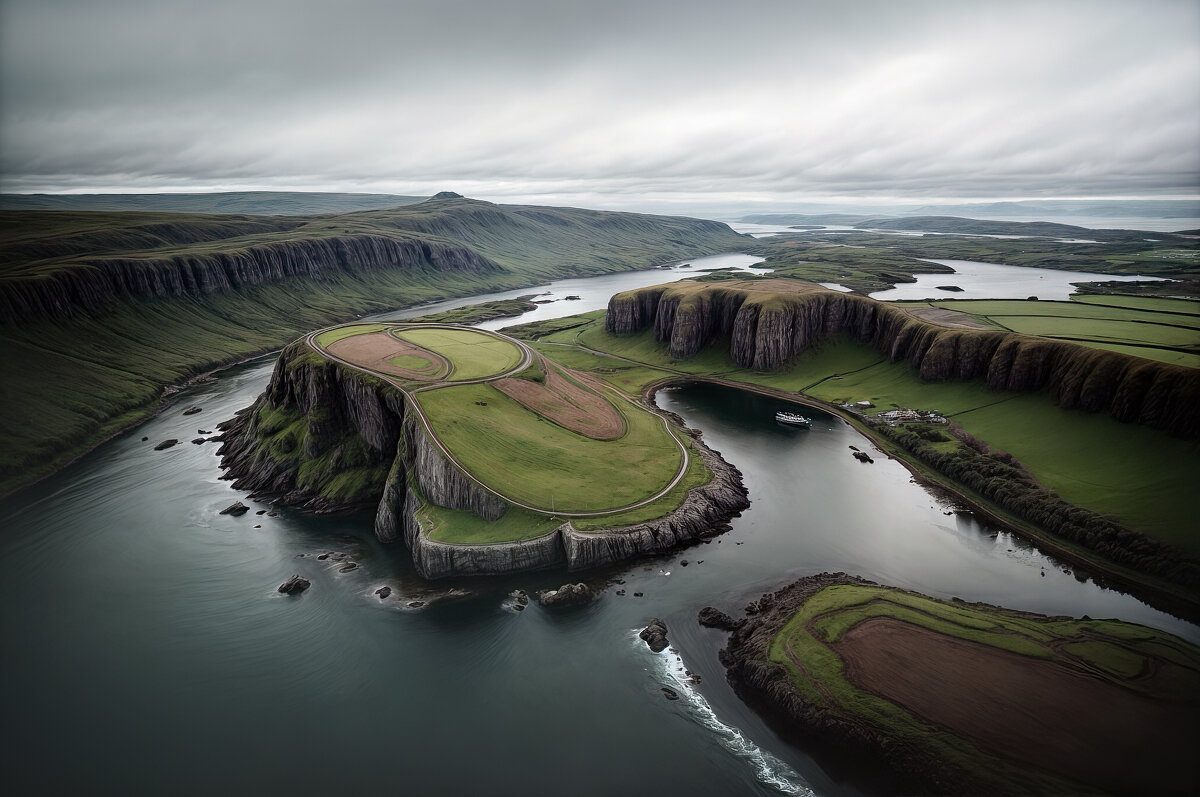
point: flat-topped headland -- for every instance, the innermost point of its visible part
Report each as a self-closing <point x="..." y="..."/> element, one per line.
<point x="768" y="322"/>
<point x="477" y="452"/>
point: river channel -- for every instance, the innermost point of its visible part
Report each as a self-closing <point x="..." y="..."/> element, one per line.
<point x="147" y="650"/>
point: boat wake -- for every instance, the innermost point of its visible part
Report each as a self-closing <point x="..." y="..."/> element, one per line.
<point x="770" y="770"/>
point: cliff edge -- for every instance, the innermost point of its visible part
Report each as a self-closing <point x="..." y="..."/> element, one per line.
<point x="327" y="438"/>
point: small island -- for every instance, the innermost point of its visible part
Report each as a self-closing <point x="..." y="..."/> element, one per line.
<point x="959" y="698"/>
<point x="481" y="454"/>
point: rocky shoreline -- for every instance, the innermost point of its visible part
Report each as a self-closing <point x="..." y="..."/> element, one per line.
<point x="317" y="422"/>
<point x="843" y="744"/>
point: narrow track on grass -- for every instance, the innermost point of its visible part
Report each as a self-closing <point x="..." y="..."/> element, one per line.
<point x="527" y="355"/>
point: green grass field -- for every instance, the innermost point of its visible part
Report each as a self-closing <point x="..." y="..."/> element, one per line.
<point x="1120" y="651"/>
<point x="473" y="354"/>
<point x="697" y="474"/>
<point x="1186" y="306"/>
<point x="533" y="460"/>
<point x="331" y="336"/>
<point x="1167" y="330"/>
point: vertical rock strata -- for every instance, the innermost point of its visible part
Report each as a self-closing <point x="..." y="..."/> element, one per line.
<point x="766" y="328"/>
<point x="327" y="438"/>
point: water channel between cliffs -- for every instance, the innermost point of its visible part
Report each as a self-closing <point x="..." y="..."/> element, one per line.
<point x="145" y="642"/>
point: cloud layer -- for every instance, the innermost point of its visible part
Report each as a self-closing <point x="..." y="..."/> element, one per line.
<point x="553" y="99"/>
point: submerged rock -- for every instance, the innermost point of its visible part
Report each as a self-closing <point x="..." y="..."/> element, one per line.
<point x="711" y="617"/>
<point x="655" y="635"/>
<point x="165" y="444"/>
<point x="192" y="410"/>
<point x="294" y="585"/>
<point x="567" y="595"/>
<point x="235" y="509"/>
<point x="669" y="693"/>
<point x="383" y="593"/>
<point x="199" y="441"/>
<point x="862" y="456"/>
<point x="952" y="288"/>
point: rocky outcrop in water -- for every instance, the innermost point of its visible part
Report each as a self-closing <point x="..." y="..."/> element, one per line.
<point x="329" y="438"/>
<point x="655" y="635"/>
<point x="766" y="328"/>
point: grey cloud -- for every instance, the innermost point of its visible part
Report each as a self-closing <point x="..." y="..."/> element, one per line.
<point x="604" y="100"/>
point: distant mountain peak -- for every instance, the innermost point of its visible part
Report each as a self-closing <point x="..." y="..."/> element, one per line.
<point x="447" y="195"/>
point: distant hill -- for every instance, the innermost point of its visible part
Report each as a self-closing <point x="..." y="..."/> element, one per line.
<point x="268" y="203"/>
<point x="1104" y="208"/>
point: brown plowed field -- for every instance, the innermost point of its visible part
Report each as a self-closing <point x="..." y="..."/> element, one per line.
<point x="1074" y="724"/>
<point x="567" y="404"/>
<point x="375" y="351"/>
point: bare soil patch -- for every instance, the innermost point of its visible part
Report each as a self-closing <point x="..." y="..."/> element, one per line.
<point x="567" y="404"/>
<point x="942" y="316"/>
<point x="1081" y="726"/>
<point x="375" y="351"/>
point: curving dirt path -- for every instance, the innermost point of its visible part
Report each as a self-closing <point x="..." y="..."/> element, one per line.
<point x="527" y="355"/>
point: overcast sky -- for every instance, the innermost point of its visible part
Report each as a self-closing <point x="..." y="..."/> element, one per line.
<point x="604" y="102"/>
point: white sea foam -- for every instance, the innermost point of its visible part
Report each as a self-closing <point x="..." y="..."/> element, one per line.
<point x="769" y="769"/>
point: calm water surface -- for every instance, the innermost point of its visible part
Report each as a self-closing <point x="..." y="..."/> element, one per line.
<point x="995" y="281"/>
<point x="146" y="648"/>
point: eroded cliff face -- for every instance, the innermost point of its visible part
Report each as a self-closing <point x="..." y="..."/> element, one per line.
<point x="83" y="286"/>
<point x="328" y="438"/>
<point x="766" y="328"/>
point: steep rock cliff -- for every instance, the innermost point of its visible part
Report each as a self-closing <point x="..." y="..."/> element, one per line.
<point x="86" y="285"/>
<point x="766" y="328"/>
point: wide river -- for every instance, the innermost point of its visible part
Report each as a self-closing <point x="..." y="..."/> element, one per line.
<point x="147" y="650"/>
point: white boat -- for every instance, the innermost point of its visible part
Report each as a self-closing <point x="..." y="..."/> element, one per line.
<point x="793" y="419"/>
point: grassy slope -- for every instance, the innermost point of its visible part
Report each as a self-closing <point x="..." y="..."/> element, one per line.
<point x="466" y="528"/>
<point x="530" y="459"/>
<point x="70" y="383"/>
<point x="1113" y="648"/>
<point x="1139" y="475"/>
